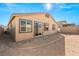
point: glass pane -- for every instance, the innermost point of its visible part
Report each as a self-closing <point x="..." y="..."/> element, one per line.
<point x="39" y="25"/>
<point x="46" y="27"/>
<point x="29" y="22"/>
<point x="29" y="25"/>
<point x="23" y="29"/>
<point x="28" y="29"/>
<point x="23" y="23"/>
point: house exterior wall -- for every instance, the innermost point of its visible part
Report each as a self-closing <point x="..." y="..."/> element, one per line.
<point x="36" y="17"/>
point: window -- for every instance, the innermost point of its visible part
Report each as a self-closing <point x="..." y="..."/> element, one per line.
<point x="46" y="27"/>
<point x="53" y="27"/>
<point x="25" y="25"/>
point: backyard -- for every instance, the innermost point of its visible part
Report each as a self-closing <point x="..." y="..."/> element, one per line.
<point x="50" y="45"/>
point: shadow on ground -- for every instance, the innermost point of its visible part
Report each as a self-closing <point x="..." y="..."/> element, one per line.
<point x="50" y="45"/>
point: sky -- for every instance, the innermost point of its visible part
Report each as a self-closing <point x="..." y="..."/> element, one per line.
<point x="59" y="11"/>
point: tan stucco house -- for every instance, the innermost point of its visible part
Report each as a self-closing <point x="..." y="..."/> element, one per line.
<point x="24" y="26"/>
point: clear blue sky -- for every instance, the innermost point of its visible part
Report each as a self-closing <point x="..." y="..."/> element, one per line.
<point x="59" y="11"/>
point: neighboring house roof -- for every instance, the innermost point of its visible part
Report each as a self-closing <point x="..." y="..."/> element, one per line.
<point x="17" y="14"/>
<point x="70" y="24"/>
<point x="62" y="22"/>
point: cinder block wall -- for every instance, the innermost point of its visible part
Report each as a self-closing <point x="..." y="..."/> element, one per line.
<point x="70" y="30"/>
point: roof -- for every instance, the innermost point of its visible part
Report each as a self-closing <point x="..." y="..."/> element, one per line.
<point x="17" y="14"/>
<point x="29" y="13"/>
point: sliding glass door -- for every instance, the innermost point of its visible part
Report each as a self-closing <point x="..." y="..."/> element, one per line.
<point x="37" y="28"/>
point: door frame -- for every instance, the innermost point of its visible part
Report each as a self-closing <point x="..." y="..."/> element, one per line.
<point x="41" y="28"/>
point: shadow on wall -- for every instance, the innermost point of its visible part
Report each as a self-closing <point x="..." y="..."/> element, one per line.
<point x="1" y="31"/>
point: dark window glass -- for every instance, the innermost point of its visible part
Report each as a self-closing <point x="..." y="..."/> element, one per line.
<point x="23" y="29"/>
<point x="46" y="27"/>
<point x="23" y="23"/>
<point x="29" y="22"/>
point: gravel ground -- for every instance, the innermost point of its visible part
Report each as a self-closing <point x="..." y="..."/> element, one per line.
<point x="51" y="45"/>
